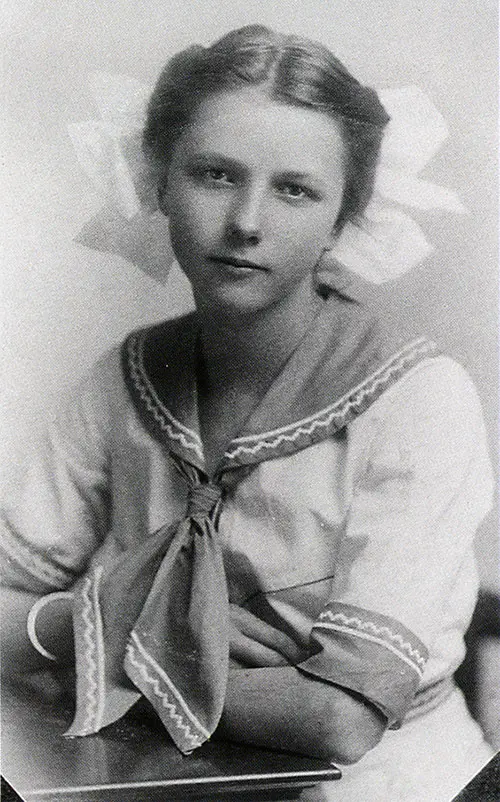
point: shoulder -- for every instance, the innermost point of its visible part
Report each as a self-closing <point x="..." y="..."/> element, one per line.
<point x="414" y="374"/>
<point x="437" y="379"/>
<point x="436" y="383"/>
<point x="98" y="386"/>
<point x="435" y="386"/>
<point x="432" y="413"/>
<point x="100" y="397"/>
<point x="104" y="382"/>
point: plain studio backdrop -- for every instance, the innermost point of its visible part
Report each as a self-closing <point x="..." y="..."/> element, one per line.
<point x="65" y="304"/>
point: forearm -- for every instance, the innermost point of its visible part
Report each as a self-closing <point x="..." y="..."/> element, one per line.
<point x="281" y="708"/>
<point x="54" y="629"/>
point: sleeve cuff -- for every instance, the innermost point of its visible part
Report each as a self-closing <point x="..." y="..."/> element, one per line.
<point x="369" y="653"/>
<point x="28" y="568"/>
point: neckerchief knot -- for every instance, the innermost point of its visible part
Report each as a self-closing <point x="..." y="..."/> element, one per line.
<point x="202" y="499"/>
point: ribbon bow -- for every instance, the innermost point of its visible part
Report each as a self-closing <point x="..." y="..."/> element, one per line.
<point x="156" y="623"/>
<point x="385" y="243"/>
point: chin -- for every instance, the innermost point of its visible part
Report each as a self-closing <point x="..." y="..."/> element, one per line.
<point x="234" y="304"/>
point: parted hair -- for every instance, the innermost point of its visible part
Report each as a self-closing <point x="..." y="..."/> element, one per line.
<point x="291" y="70"/>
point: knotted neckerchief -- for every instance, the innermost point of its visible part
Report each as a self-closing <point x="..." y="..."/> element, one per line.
<point x="168" y="603"/>
<point x="154" y="620"/>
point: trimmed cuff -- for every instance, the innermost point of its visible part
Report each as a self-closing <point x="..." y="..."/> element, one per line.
<point x="369" y="653"/>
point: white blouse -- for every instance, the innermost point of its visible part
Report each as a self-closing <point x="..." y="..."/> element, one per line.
<point x="361" y="544"/>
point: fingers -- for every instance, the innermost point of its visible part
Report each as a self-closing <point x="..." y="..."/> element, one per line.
<point x="249" y="653"/>
<point x="235" y="664"/>
<point x="266" y="640"/>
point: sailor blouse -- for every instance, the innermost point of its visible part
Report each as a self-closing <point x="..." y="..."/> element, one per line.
<point x="359" y="546"/>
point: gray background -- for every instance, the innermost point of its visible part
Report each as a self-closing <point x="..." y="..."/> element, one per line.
<point x="64" y="304"/>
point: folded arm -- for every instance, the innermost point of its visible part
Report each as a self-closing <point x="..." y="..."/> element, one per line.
<point x="271" y="703"/>
<point x="280" y="708"/>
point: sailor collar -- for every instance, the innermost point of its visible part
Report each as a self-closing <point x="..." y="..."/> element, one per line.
<point x="345" y="361"/>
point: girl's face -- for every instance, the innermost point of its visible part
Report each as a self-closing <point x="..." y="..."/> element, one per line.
<point x="252" y="194"/>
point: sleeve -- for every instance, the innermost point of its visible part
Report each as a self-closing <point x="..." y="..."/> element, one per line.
<point x="57" y="504"/>
<point x="406" y="583"/>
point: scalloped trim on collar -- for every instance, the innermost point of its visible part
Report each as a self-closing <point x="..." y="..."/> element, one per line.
<point x="343" y="364"/>
<point x="333" y="417"/>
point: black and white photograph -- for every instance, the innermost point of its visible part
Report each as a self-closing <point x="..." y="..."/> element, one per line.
<point x="249" y="521"/>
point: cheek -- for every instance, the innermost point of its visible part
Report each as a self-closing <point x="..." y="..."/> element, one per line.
<point x="309" y="238"/>
<point x="312" y="224"/>
<point x="184" y="226"/>
<point x="195" y="219"/>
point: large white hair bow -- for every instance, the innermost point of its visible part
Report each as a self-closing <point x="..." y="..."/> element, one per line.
<point x="385" y="243"/>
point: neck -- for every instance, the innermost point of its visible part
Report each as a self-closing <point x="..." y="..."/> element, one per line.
<point x="249" y="349"/>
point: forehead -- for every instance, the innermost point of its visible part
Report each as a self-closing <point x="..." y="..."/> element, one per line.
<point x="248" y="126"/>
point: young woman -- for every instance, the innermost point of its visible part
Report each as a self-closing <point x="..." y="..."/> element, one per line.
<point x="265" y="509"/>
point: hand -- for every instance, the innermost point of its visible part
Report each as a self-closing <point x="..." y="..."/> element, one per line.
<point x="255" y="644"/>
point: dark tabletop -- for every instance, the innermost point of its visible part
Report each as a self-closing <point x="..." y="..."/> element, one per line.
<point x="134" y="760"/>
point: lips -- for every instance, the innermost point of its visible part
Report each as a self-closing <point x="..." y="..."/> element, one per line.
<point x="234" y="261"/>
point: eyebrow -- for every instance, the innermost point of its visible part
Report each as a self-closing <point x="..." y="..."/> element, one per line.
<point x="291" y="175"/>
<point x="207" y="156"/>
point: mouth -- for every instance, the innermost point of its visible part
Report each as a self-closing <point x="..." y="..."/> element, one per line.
<point x="235" y="262"/>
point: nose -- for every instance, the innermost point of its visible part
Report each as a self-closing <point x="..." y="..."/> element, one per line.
<point x="245" y="217"/>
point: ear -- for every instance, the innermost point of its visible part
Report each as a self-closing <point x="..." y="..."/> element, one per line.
<point x="162" y="198"/>
<point x="330" y="271"/>
<point x="332" y="237"/>
<point x="331" y="274"/>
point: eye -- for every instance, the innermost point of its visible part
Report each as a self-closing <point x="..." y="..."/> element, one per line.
<point x="295" y="191"/>
<point x="216" y="175"/>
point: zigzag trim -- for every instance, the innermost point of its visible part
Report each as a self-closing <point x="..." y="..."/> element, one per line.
<point x="32" y="560"/>
<point x="371" y="631"/>
<point x="178" y="717"/>
<point x="147" y="394"/>
<point x="93" y="637"/>
<point x="339" y="411"/>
